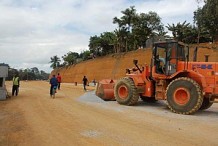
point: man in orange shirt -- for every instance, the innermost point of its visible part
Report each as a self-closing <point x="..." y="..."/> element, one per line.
<point x="59" y="81"/>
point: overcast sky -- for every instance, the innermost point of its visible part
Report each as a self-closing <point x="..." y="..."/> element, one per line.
<point x="32" y="31"/>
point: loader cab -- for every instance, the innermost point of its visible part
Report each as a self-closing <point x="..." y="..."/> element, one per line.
<point x="166" y="56"/>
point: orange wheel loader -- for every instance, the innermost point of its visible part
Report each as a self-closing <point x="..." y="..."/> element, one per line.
<point x="187" y="86"/>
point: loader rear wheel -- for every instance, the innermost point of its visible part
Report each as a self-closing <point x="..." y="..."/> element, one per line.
<point x="148" y="99"/>
<point x="206" y="103"/>
<point x="125" y="92"/>
<point x="184" y="96"/>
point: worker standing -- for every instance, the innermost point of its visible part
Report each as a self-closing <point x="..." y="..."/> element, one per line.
<point x="85" y="81"/>
<point x="16" y="84"/>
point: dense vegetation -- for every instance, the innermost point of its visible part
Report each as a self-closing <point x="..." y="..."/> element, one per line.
<point x="138" y="30"/>
<point x="28" y="74"/>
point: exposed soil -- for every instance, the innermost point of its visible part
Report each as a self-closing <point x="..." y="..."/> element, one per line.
<point x="78" y="118"/>
<point x="114" y="66"/>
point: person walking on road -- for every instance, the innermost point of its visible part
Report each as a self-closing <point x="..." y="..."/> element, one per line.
<point x="59" y="81"/>
<point x="85" y="81"/>
<point x="16" y="84"/>
<point x="53" y="82"/>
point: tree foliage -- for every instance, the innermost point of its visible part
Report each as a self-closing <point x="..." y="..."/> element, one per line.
<point x="206" y="19"/>
<point x="85" y="55"/>
<point x="70" y="58"/>
<point x="103" y="44"/>
<point x="183" y="32"/>
<point x="132" y="32"/>
<point x="28" y="74"/>
<point x="134" y="29"/>
<point x="147" y="26"/>
<point x="55" y="62"/>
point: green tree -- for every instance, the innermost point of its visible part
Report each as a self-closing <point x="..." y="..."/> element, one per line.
<point x="147" y="26"/>
<point x="44" y="75"/>
<point x="55" y="61"/>
<point x="95" y="45"/>
<point x="85" y="55"/>
<point x="107" y="42"/>
<point x="179" y="30"/>
<point x="11" y="73"/>
<point x="103" y="44"/>
<point x="128" y="18"/>
<point x="28" y="74"/>
<point x="125" y="24"/>
<point x="134" y="29"/>
<point x="70" y="58"/>
<point x="35" y="70"/>
<point x="120" y="37"/>
<point x="206" y="18"/>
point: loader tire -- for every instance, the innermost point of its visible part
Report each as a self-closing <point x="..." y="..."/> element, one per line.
<point x="148" y="99"/>
<point x="206" y="103"/>
<point x="184" y="96"/>
<point x="125" y="92"/>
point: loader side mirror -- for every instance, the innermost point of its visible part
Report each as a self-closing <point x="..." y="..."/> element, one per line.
<point x="135" y="62"/>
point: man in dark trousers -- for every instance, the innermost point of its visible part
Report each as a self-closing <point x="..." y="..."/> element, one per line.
<point x="85" y="81"/>
<point x="59" y="81"/>
<point x="16" y="84"/>
<point x="53" y="82"/>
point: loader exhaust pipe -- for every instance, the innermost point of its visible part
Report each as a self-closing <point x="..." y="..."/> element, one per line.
<point x="206" y="57"/>
<point x="135" y="62"/>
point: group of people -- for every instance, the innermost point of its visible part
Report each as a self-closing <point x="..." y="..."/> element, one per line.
<point x="55" y="82"/>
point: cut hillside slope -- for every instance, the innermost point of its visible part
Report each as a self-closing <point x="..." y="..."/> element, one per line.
<point x="114" y="66"/>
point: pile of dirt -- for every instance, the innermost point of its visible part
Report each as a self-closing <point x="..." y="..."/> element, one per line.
<point x="114" y="66"/>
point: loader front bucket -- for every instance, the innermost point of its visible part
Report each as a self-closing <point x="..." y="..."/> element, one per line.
<point x="105" y="89"/>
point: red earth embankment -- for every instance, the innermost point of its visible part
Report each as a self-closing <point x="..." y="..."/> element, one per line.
<point x="114" y="66"/>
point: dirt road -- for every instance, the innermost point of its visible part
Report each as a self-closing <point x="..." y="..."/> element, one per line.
<point x="78" y="118"/>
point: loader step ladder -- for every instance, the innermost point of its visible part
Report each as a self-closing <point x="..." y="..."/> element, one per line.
<point x="213" y="99"/>
<point x="160" y="90"/>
